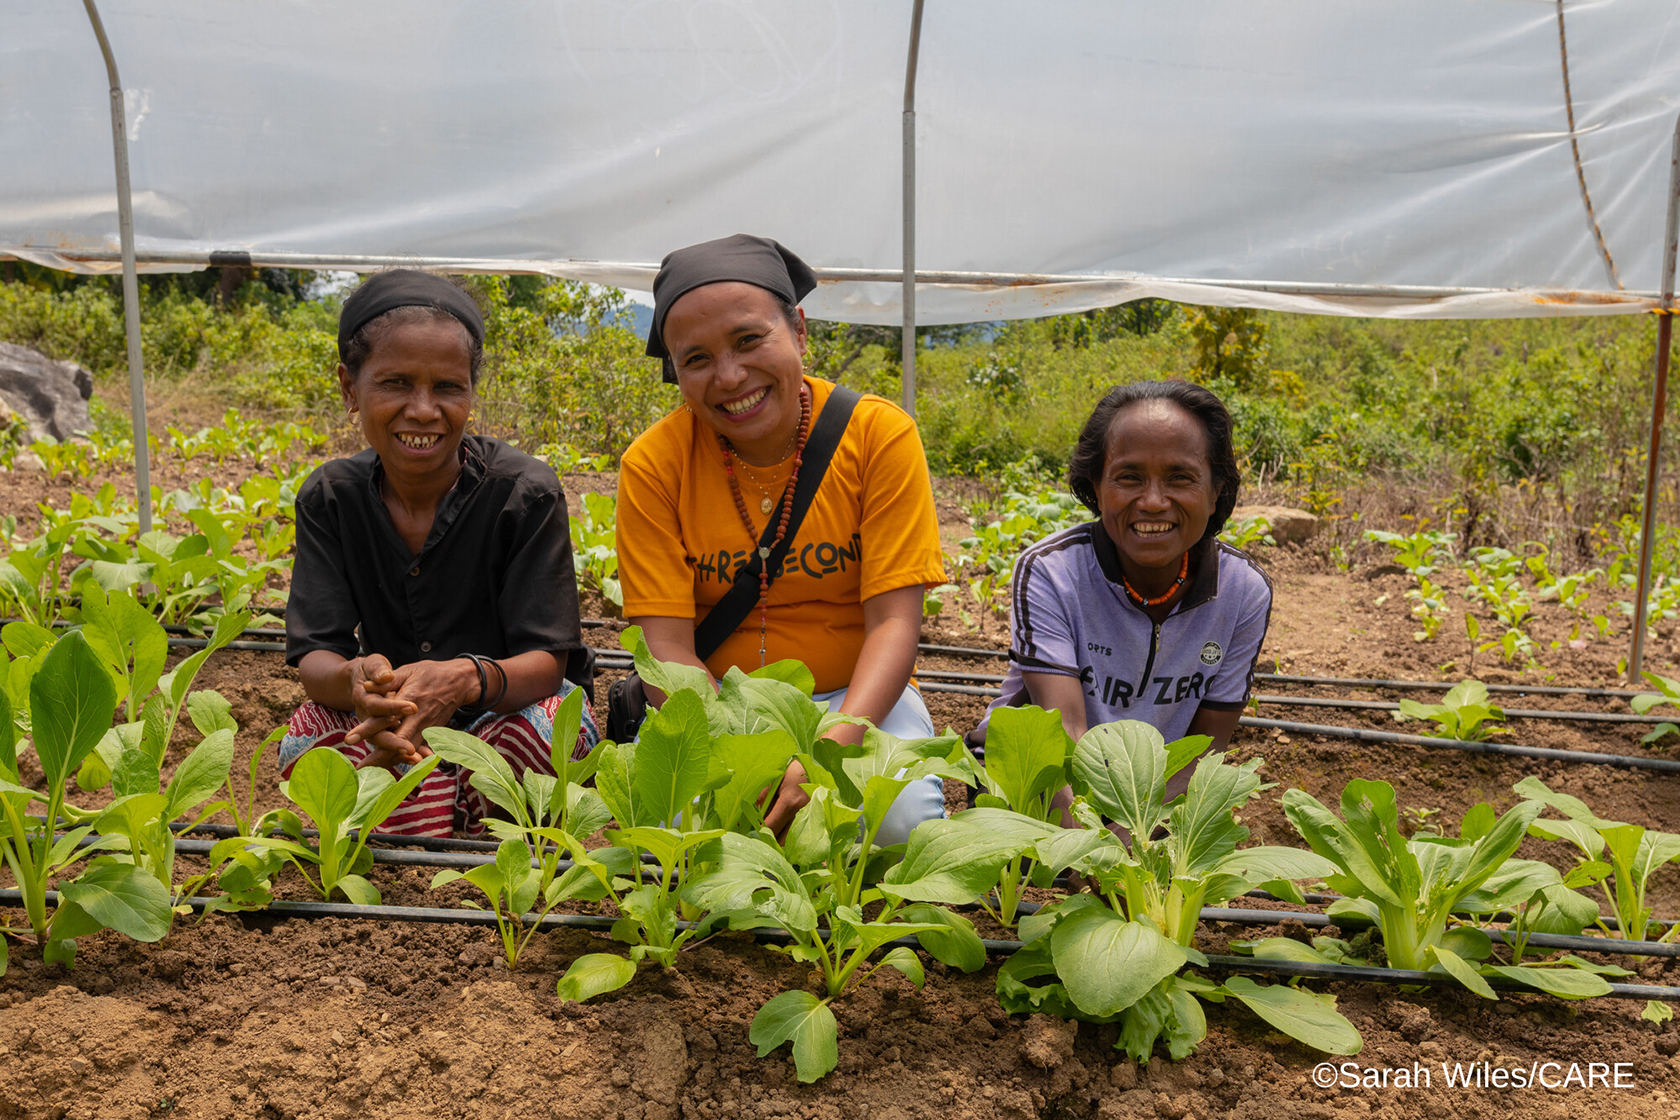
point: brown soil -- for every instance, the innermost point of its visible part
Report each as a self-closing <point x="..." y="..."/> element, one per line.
<point x="264" y="1018"/>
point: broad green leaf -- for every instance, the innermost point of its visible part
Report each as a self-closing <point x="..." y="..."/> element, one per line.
<point x="1477" y="822"/>
<point x="8" y="739"/>
<point x="753" y="875"/>
<point x="804" y="1020"/>
<point x="1565" y="983"/>
<point x="491" y="775"/>
<point x="1288" y="949"/>
<point x="751" y="764"/>
<point x="1107" y="963"/>
<point x="358" y="890"/>
<point x="666" y="845"/>
<point x="1027" y="754"/>
<point x="1182" y="752"/>
<point x="668" y="677"/>
<point x="788" y="671"/>
<point x="135" y="772"/>
<point x="747" y="705"/>
<point x="950" y="861"/>
<point x="955" y="944"/>
<point x="1469" y="942"/>
<point x="1006" y="822"/>
<point x="1204" y="830"/>
<point x="1459" y="969"/>
<point x="594" y="973"/>
<point x="879" y="794"/>
<point x="201" y="773"/>
<point x="1121" y="768"/>
<point x="323" y="784"/>
<point x="1304" y="1016"/>
<point x="673" y="759"/>
<point x="72" y="700"/>
<point x="905" y="960"/>
<point x="513" y="862"/>
<point x="25" y="639"/>
<point x="210" y="712"/>
<point x="1265" y="863"/>
<point x="1187" y="1025"/>
<point x="1655" y="1010"/>
<point x="568" y="719"/>
<point x="1583" y="835"/>
<point x="612" y="781"/>
<point x="1067" y="846"/>
<point x="370" y="813"/>
<point x="1574" y="808"/>
<point x="122" y="897"/>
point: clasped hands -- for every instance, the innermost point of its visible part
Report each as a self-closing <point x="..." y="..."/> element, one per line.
<point x="396" y="705"/>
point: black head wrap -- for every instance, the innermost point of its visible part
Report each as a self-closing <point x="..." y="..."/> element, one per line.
<point x="405" y="287"/>
<point x="743" y="257"/>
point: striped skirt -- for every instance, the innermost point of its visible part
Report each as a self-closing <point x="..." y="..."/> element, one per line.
<point x="445" y="803"/>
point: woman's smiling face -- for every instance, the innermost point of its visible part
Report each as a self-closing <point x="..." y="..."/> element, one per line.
<point x="739" y="363"/>
<point x="413" y="394"/>
<point x="1157" y="491"/>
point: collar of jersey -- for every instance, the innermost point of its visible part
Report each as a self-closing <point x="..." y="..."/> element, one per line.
<point x="1205" y="555"/>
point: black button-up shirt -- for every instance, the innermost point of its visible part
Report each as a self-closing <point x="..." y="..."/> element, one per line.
<point x="494" y="576"/>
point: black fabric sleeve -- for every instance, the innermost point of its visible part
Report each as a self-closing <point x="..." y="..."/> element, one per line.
<point x="320" y="610"/>
<point x="538" y="604"/>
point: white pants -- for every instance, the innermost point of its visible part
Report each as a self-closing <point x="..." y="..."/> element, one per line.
<point x="923" y="799"/>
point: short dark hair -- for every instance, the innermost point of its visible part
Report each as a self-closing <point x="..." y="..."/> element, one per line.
<point x="360" y="345"/>
<point x="790" y="312"/>
<point x="1090" y="453"/>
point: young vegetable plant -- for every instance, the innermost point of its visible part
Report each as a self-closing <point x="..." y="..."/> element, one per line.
<point x="1461" y="714"/>
<point x="1616" y="857"/>
<point x="1117" y="955"/>
<point x="340" y="799"/>
<point x="1410" y="889"/>
<point x="755" y="885"/>
<point x="1029" y="760"/>
<point x="1668" y="692"/>
<point x="552" y="813"/>
<point x="71" y="700"/>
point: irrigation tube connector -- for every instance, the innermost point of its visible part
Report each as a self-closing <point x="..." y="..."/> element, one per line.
<point x="602" y="924"/>
<point x="1510" y="750"/>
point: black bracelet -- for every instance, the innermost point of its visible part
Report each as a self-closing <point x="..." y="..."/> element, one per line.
<point x="501" y="693"/>
<point x="479" y="706"/>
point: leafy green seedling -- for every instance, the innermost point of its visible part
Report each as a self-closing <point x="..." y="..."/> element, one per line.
<point x="1411" y="888"/>
<point x="1028" y="761"/>
<point x="72" y="701"/>
<point x="340" y="798"/>
<point x="1461" y="714"/>
<point x="1616" y="857"/>
<point x="1668" y="692"/>
<point x="552" y="813"/>
<point x="1116" y="956"/>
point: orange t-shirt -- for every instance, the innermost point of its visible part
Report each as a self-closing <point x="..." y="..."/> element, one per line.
<point x="870" y="529"/>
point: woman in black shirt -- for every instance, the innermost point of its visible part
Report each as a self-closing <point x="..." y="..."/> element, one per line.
<point x="433" y="584"/>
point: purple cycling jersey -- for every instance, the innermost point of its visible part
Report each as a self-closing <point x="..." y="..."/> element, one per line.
<point x="1072" y="617"/>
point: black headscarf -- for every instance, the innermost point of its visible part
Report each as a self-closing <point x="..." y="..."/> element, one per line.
<point x="743" y="257"/>
<point x="405" y="287"/>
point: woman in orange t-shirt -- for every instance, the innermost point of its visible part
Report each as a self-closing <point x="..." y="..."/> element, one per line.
<point x="696" y="490"/>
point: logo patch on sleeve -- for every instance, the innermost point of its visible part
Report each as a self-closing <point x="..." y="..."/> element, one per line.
<point x="1211" y="653"/>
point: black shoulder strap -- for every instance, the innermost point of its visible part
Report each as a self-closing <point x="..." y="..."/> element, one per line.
<point x="738" y="602"/>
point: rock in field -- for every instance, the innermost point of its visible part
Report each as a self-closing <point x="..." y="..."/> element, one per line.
<point x="1287" y="524"/>
<point x="50" y="396"/>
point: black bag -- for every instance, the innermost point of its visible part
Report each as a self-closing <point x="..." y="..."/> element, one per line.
<point x="626" y="699"/>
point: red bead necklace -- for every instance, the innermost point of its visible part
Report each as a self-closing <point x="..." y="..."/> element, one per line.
<point x="1183" y="571"/>
<point x="787" y="511"/>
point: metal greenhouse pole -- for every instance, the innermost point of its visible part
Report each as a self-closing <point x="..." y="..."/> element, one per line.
<point x="909" y="299"/>
<point x="1659" y="406"/>
<point x="130" y="280"/>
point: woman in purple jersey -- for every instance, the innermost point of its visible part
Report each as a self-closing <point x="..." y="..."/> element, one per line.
<point x="1143" y="613"/>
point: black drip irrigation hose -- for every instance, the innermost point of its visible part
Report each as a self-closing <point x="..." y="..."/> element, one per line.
<point x="1568" y="942"/>
<point x="1443" y="686"/>
<point x="1510" y="713"/>
<point x="1510" y="750"/>
<point x="1216" y="963"/>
